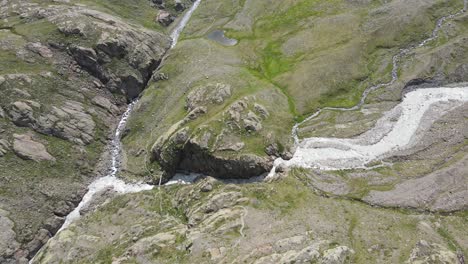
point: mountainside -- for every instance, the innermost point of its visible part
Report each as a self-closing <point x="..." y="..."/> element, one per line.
<point x="359" y="107"/>
<point x="67" y="71"/>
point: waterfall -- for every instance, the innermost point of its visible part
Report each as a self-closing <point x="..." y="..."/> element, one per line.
<point x="110" y="181"/>
<point x="180" y="27"/>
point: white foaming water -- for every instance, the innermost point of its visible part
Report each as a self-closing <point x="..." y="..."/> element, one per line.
<point x="185" y="19"/>
<point x="184" y="179"/>
<point x="109" y="182"/>
<point x="385" y="138"/>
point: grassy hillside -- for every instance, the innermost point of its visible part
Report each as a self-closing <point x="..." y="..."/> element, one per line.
<point x="292" y="57"/>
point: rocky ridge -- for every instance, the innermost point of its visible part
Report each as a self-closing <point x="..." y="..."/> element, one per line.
<point x="67" y="72"/>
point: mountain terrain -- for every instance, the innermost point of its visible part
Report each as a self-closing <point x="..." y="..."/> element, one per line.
<point x="231" y="104"/>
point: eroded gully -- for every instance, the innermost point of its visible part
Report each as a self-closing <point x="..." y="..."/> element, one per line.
<point x="111" y="181"/>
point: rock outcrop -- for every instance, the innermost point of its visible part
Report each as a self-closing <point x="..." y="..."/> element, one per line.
<point x="210" y="151"/>
<point x="121" y="55"/>
<point x="71" y="121"/>
<point x="426" y="252"/>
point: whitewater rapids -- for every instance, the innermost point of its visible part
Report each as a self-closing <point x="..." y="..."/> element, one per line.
<point x="394" y="132"/>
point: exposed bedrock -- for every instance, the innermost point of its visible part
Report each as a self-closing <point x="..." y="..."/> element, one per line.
<point x="121" y="55"/>
<point x="218" y="147"/>
<point x="66" y="71"/>
<point x="196" y="159"/>
<point x="180" y="152"/>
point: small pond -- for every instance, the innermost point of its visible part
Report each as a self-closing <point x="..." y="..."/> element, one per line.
<point x="218" y="36"/>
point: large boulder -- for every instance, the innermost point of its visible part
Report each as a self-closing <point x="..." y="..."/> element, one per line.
<point x="26" y="148"/>
<point x="40" y="49"/>
<point x="165" y="18"/>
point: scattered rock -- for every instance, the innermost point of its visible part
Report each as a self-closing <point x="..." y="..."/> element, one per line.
<point x="179" y="6"/>
<point x="272" y="150"/>
<point x="4" y="147"/>
<point x="40" y="49"/>
<point x="39" y="240"/>
<point x="308" y="254"/>
<point x="209" y="94"/>
<point x="160" y="76"/>
<point x="252" y="122"/>
<point x="54" y="223"/>
<point x="21" y="92"/>
<point x="207" y="187"/>
<point x="87" y="58"/>
<point x="231" y="146"/>
<point x="21" y="113"/>
<point x="152" y="244"/>
<point x="19" y="77"/>
<point x="197" y="112"/>
<point x="62" y="209"/>
<point x="222" y="222"/>
<point x="207" y="184"/>
<point x="27" y="149"/>
<point x="165" y="18"/>
<point x="338" y="255"/>
<point x="181" y="136"/>
<point x="217" y="253"/>
<point x="69" y="122"/>
<point x="202" y="140"/>
<point x="425" y="252"/>
<point x="261" y="110"/>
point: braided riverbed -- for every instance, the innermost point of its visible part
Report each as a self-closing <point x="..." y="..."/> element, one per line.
<point x="386" y="137"/>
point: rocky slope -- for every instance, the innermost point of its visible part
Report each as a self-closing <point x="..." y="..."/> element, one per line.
<point x="224" y="105"/>
<point x="278" y="222"/>
<point x="67" y="70"/>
